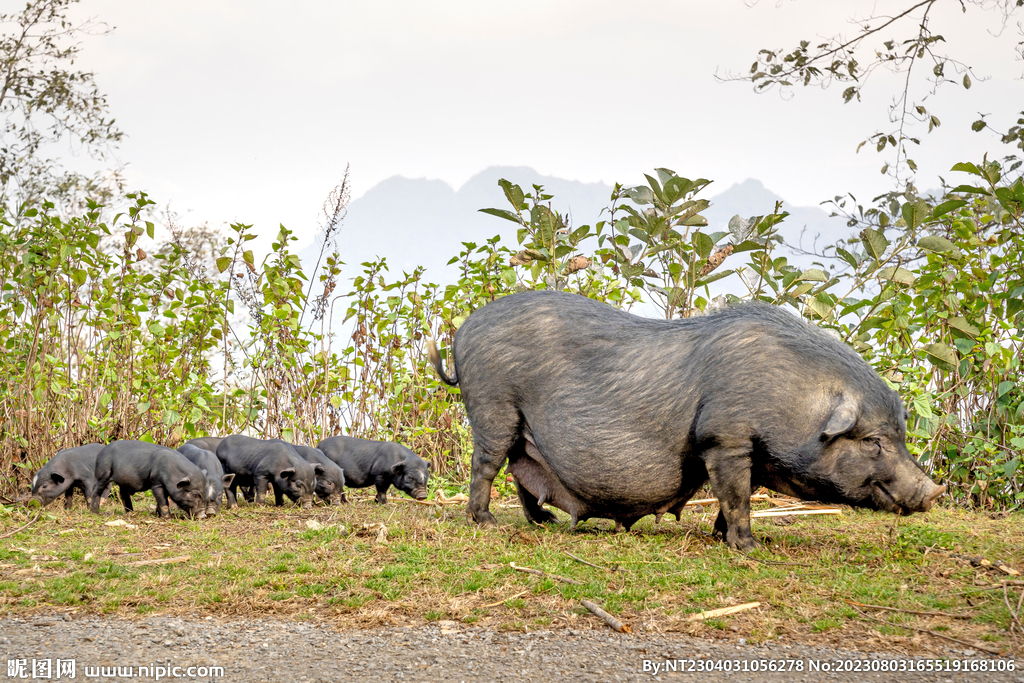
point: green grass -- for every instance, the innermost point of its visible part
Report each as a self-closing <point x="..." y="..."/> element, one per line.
<point x="434" y="566"/>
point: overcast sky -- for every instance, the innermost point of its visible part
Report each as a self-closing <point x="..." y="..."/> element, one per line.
<point x="249" y="111"/>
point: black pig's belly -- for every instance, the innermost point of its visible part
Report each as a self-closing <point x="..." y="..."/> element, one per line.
<point x="602" y="485"/>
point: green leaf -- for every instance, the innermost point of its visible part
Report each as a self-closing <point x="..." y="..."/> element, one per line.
<point x="967" y="82"/>
<point x="923" y="407"/>
<point x="947" y="206"/>
<point x="1010" y="467"/>
<point x="847" y="256"/>
<point x="513" y="193"/>
<point x="814" y="275"/>
<point x="969" y="189"/>
<point x="157" y="329"/>
<point x="941" y="352"/>
<point x="820" y="308"/>
<point x="703" y="244"/>
<point x="1003" y="388"/>
<point x="935" y="243"/>
<point x="914" y="213"/>
<point x="223" y="263"/>
<point x="896" y="274"/>
<point x="248" y="257"/>
<point x="967" y="167"/>
<point x="502" y="213"/>
<point x="964" y="346"/>
<point x="964" y="326"/>
<point x="875" y="242"/>
<point x="171" y="417"/>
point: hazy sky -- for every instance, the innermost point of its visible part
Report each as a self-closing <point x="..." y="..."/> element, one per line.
<point x="249" y="111"/>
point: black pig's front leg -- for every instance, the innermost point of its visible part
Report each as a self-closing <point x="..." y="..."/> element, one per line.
<point x="729" y="472"/>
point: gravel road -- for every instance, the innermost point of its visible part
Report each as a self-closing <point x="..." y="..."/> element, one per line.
<point x="253" y="650"/>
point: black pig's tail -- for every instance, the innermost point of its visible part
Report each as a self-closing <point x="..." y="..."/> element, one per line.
<point x="435" y="360"/>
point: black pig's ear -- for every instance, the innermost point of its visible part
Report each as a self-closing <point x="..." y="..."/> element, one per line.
<point x="842" y="419"/>
<point x="228" y="478"/>
<point x="288" y="473"/>
<point x="398" y="467"/>
<point x="57" y="478"/>
<point x="184" y="483"/>
<point x="318" y="470"/>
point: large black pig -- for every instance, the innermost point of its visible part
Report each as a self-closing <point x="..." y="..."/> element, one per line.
<point x="139" y="466"/>
<point x="216" y="480"/>
<point x="257" y="464"/>
<point x="378" y="463"/>
<point x="69" y="469"/>
<point x="605" y="414"/>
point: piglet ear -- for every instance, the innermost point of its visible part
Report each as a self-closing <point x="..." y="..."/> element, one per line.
<point x="227" y="479"/>
<point x="430" y="466"/>
<point x="842" y="419"/>
<point x="398" y="467"/>
<point x="319" y="470"/>
<point x="57" y="478"/>
<point x="184" y="483"/>
<point x="288" y="473"/>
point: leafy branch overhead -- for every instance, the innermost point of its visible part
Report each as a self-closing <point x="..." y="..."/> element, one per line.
<point x="905" y="42"/>
<point x="45" y="101"/>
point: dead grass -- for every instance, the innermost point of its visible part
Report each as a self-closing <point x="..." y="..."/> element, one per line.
<point x="336" y="564"/>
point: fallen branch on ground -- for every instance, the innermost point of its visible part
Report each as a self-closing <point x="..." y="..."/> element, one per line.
<point x="165" y="560"/>
<point x="608" y="619"/>
<point x="538" y="572"/>
<point x="912" y="611"/>
<point x="712" y="501"/>
<point x="931" y="633"/>
<point x="500" y="602"/>
<point x="30" y="523"/>
<point x="785" y="512"/>
<point x="700" y="616"/>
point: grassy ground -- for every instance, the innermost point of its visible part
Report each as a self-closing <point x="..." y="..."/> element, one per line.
<point x="431" y="565"/>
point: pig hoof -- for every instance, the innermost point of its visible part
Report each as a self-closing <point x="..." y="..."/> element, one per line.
<point x="745" y="545"/>
<point x="543" y="517"/>
<point x="484" y="519"/>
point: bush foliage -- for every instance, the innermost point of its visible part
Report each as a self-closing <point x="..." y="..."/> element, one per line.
<point x="103" y="341"/>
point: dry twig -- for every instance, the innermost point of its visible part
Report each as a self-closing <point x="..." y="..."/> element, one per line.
<point x="608" y="619"/>
<point x="931" y="633"/>
<point x="164" y="560"/>
<point x="538" y="572"/>
<point x="912" y="611"/>
<point x="501" y="602"/>
<point x="30" y="523"/>
<point x="616" y="568"/>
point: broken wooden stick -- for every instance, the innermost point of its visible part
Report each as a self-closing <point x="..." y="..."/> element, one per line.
<point x="165" y="560"/>
<point x="700" y="616"/>
<point x="786" y="512"/>
<point x="538" y="572"/>
<point x="501" y="602"/>
<point x="911" y="611"/>
<point x="608" y="619"/>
